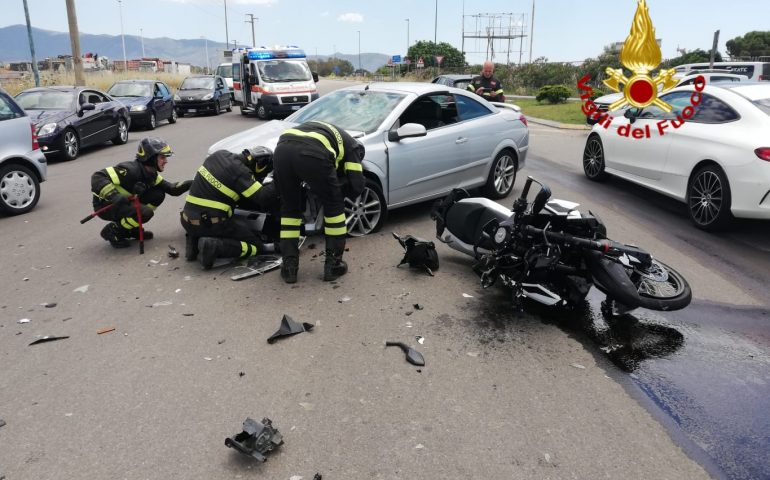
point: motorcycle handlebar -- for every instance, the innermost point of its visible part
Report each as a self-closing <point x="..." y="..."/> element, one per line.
<point x="565" y="238"/>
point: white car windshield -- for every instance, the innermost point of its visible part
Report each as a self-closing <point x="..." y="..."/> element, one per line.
<point x="45" y="100"/>
<point x="284" y="71"/>
<point x="130" y="90"/>
<point x="357" y="110"/>
<point x="195" y="83"/>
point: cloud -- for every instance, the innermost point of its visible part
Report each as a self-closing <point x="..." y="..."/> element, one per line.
<point x="324" y="14"/>
<point x="219" y="2"/>
<point x="351" y="17"/>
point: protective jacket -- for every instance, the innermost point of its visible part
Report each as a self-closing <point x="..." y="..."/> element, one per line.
<point x="493" y="89"/>
<point x="122" y="179"/>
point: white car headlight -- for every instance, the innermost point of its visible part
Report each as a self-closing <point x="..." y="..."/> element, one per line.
<point x="46" y="129"/>
<point x="176" y="98"/>
<point x="500" y="235"/>
<point x="138" y="108"/>
<point x="208" y="97"/>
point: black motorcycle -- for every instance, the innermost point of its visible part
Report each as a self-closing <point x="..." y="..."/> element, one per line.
<point x="548" y="251"/>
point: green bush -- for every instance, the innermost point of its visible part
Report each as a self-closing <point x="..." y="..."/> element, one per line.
<point x="553" y="94"/>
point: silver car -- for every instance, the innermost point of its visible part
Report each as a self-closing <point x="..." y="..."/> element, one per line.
<point x="22" y="164"/>
<point x="422" y="140"/>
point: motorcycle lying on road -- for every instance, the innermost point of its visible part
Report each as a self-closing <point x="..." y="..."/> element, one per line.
<point x="548" y="251"/>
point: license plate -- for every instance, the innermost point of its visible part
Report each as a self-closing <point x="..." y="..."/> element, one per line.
<point x="295" y="107"/>
<point x="191" y="110"/>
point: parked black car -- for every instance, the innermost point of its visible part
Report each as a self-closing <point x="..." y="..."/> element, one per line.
<point x="67" y="119"/>
<point x="203" y="93"/>
<point x="148" y="101"/>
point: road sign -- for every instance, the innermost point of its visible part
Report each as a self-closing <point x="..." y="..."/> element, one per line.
<point x="396" y="58"/>
<point x="420" y="63"/>
<point x="439" y="59"/>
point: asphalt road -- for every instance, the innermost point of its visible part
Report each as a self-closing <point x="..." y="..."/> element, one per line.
<point x="501" y="395"/>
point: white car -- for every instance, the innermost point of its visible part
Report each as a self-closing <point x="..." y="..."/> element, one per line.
<point x="422" y="140"/>
<point x="717" y="161"/>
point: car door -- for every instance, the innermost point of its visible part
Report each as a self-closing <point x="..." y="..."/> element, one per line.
<point x="91" y="124"/>
<point x="161" y="101"/>
<point x="222" y="92"/>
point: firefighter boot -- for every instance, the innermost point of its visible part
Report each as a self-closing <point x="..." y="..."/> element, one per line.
<point x="134" y="234"/>
<point x="212" y="248"/>
<point x="290" y="252"/>
<point x="334" y="266"/>
<point x="116" y="235"/>
<point x="190" y="247"/>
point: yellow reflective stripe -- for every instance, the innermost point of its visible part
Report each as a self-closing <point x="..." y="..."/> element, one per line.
<point x="498" y="91"/>
<point x="353" y="166"/>
<point x="335" y="219"/>
<point x="289" y="233"/>
<point x="217" y="184"/>
<point x="292" y="222"/>
<point x="244" y="249"/>
<point x="107" y="189"/>
<point x="158" y="179"/>
<point x="252" y="189"/>
<point x="129" y="223"/>
<point x="259" y="170"/>
<point x="317" y="136"/>
<point x="113" y="175"/>
<point x="335" y="231"/>
<point x="337" y="136"/>
<point x="210" y="204"/>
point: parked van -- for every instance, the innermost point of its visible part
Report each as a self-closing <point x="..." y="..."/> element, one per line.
<point x="225" y="70"/>
<point x="275" y="81"/>
<point x="755" y="71"/>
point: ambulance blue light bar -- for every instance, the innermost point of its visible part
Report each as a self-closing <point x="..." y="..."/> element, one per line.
<point x="268" y="54"/>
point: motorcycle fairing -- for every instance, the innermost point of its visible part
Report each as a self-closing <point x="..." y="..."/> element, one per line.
<point x="611" y="278"/>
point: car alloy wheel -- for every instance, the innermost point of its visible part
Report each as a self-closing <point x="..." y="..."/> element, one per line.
<point x="501" y="176"/>
<point x="593" y="159"/>
<point x="153" y="121"/>
<point x="217" y="108"/>
<point x="173" y="117"/>
<point x="71" y="145"/>
<point x="366" y="213"/>
<point x="122" y="136"/>
<point x="19" y="189"/>
<point x="708" y="198"/>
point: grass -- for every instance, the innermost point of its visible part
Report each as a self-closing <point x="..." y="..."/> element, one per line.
<point x="561" y="112"/>
<point x="99" y="80"/>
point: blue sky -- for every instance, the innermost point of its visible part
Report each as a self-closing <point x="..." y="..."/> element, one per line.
<point x="565" y="30"/>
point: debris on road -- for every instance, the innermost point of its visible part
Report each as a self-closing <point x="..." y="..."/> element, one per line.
<point x="417" y="306"/>
<point x="418" y="253"/>
<point x="577" y="365"/>
<point x="289" y="327"/>
<point x="105" y="330"/>
<point x="24" y="320"/>
<point x="466" y="295"/>
<point x="344" y="299"/>
<point x="47" y="338"/>
<point x="412" y="356"/>
<point x="172" y="252"/>
<point x="82" y="289"/>
<point x="307" y="406"/>
<point x="48" y="305"/>
<point x="2" y="423"/>
<point x="257" y="265"/>
<point x="256" y="439"/>
<point x="420" y="339"/>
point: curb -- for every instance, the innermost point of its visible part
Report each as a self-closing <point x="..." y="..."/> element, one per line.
<point x="552" y="124"/>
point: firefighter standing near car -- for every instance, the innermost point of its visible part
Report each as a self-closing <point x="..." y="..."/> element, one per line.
<point x="225" y="181"/>
<point x="325" y="157"/>
<point x="115" y="185"/>
<point x="486" y="85"/>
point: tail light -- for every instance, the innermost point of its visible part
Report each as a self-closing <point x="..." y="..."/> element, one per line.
<point x="763" y="153"/>
<point x="524" y="120"/>
<point x="35" y="145"/>
<point x="762" y="77"/>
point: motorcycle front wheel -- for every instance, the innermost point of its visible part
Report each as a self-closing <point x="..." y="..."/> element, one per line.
<point x="662" y="288"/>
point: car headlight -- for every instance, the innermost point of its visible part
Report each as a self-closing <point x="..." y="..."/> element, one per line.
<point x="46" y="129"/>
<point x="208" y="96"/>
<point x="138" y="108"/>
<point x="501" y="235"/>
<point x="176" y="98"/>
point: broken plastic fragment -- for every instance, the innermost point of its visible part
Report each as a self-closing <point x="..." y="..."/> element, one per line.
<point x="467" y="295"/>
<point x="47" y="338"/>
<point x="419" y="446"/>
<point x="420" y="339"/>
<point x="24" y="320"/>
<point x="105" y="330"/>
<point x="344" y="299"/>
<point x="177" y="290"/>
<point x="473" y="354"/>
<point x="417" y="306"/>
<point x="154" y="262"/>
<point x="256" y="439"/>
<point x="82" y="289"/>
<point x="49" y="304"/>
<point x="172" y="252"/>
<point x="164" y="303"/>
<point x="412" y="356"/>
<point x="208" y="359"/>
<point x="289" y="327"/>
<point x="577" y="365"/>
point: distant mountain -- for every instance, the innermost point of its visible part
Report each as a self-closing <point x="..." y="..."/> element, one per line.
<point x="369" y="61"/>
<point x="50" y="44"/>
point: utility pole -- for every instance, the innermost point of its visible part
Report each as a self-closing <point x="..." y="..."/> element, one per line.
<point x="253" y="41"/>
<point x="227" y="35"/>
<point x="714" y="49"/>
<point x="141" y="37"/>
<point x="359" y="53"/>
<point x="235" y="44"/>
<point x="77" y="62"/>
<point x="532" y="31"/>
<point x="208" y="65"/>
<point x="435" y="24"/>
<point x="407" y="36"/>
<point x="122" y="37"/>
<point x="31" y="46"/>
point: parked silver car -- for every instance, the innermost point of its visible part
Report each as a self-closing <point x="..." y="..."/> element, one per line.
<point x="22" y="164"/>
<point x="422" y="140"/>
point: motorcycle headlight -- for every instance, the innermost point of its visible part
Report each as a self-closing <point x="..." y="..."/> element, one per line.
<point x="138" y="108"/>
<point x="176" y="98"/>
<point x="46" y="129"/>
<point x="208" y="96"/>
<point x="501" y="235"/>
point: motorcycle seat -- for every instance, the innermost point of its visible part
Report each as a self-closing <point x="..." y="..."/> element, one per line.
<point x="466" y="219"/>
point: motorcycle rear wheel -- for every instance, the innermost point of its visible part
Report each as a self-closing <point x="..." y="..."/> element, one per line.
<point x="662" y="288"/>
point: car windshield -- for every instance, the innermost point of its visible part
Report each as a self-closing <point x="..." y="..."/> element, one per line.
<point x="225" y="71"/>
<point x="357" y="110"/>
<point x="763" y="104"/>
<point x="130" y="90"/>
<point x="284" y="71"/>
<point x="195" y="83"/>
<point x="45" y="100"/>
<point x="462" y="84"/>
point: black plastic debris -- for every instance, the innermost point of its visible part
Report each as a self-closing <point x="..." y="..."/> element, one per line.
<point x="2" y="422"/>
<point x="412" y="356"/>
<point x="417" y="306"/>
<point x="256" y="439"/>
<point x="419" y="253"/>
<point x="173" y="252"/>
<point x="317" y="476"/>
<point x="47" y="338"/>
<point x="50" y="305"/>
<point x="289" y="327"/>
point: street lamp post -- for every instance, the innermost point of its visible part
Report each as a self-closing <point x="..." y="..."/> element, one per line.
<point x="407" y="36"/>
<point x="208" y="64"/>
<point x="227" y="34"/>
<point x="359" y="53"/>
<point x="122" y="37"/>
<point x="141" y="37"/>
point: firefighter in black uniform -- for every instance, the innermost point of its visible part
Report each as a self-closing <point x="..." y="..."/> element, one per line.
<point x="114" y="185"/>
<point x="225" y="181"/>
<point x="325" y="157"/>
<point x="487" y="86"/>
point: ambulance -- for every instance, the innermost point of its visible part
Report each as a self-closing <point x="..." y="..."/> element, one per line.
<point x="273" y="81"/>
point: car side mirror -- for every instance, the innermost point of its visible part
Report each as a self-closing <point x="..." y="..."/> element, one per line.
<point x="408" y="130"/>
<point x="85" y="107"/>
<point x="632" y="114"/>
<point x="315" y="77"/>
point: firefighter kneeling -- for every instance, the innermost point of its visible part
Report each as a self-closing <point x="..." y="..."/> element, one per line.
<point x="320" y="154"/>
<point x="225" y="181"/>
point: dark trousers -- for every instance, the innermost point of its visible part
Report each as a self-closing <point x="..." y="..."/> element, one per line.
<point x="124" y="214"/>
